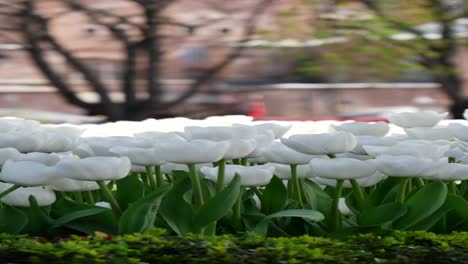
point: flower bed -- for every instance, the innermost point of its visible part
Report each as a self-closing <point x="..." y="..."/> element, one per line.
<point x="230" y="175"/>
<point x="155" y="247"/>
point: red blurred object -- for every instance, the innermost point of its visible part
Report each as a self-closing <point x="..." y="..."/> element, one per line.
<point x="360" y="119"/>
<point x="257" y="109"/>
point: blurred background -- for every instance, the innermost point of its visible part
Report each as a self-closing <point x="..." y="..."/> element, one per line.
<point x="94" y="60"/>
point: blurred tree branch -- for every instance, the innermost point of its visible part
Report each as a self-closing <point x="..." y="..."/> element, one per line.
<point x="135" y="37"/>
<point x="434" y="54"/>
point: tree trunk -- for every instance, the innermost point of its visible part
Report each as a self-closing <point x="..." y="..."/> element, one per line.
<point x="457" y="108"/>
<point x="452" y="85"/>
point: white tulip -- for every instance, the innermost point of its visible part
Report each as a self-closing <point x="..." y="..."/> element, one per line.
<point x="7" y="154"/>
<point x="262" y="140"/>
<point x="258" y="159"/>
<point x="219" y="133"/>
<point x="27" y="173"/>
<point x="94" y="168"/>
<point x="44" y="158"/>
<point x="377" y="129"/>
<point x="83" y="150"/>
<point x="68" y="185"/>
<point x="103" y="204"/>
<point x="283" y="171"/>
<point x="372" y="141"/>
<point x="20" y="197"/>
<point x="459" y="131"/>
<point x="249" y="175"/>
<point x="353" y="156"/>
<point x="342" y="168"/>
<point x="279" y="129"/>
<point x="68" y="130"/>
<point x="239" y="148"/>
<point x="192" y="152"/>
<point x="139" y="156"/>
<point x="277" y="152"/>
<point x="55" y="142"/>
<point x="22" y="141"/>
<point x="321" y="144"/>
<point x="13" y="124"/>
<point x="138" y="169"/>
<point x="228" y="119"/>
<point x="344" y="209"/>
<point x="411" y="148"/>
<point x="404" y="166"/>
<point x="362" y="182"/>
<point x="156" y="137"/>
<point x="170" y="167"/>
<point x="416" y="119"/>
<point x="430" y="133"/>
<point x="445" y="171"/>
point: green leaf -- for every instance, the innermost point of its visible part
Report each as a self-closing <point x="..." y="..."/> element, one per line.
<point x="179" y="175"/>
<point x="318" y="199"/>
<point x="274" y="197"/>
<point x="383" y="189"/>
<point x="12" y="220"/>
<point x="129" y="189"/>
<point x="381" y="214"/>
<point x="140" y="215"/>
<point x="430" y="221"/>
<point x="103" y="222"/>
<point x="311" y="215"/>
<point x="76" y="215"/>
<point x="175" y="210"/>
<point x="422" y="204"/>
<point x="352" y="203"/>
<point x="39" y="222"/>
<point x="219" y="205"/>
<point x="459" y="204"/>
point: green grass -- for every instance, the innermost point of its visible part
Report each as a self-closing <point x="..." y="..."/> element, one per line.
<point x="156" y="247"/>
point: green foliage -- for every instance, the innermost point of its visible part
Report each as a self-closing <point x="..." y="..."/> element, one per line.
<point x="419" y="207"/>
<point x="274" y="197"/>
<point x="156" y="247"/>
<point x="13" y="220"/>
<point x="140" y="215"/>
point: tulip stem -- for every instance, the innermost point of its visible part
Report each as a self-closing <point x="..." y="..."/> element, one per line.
<point x="419" y="182"/>
<point x="168" y="178"/>
<point x="358" y="193"/>
<point x="78" y="197"/>
<point x="243" y="161"/>
<point x="111" y="184"/>
<point x="257" y="192"/>
<point x="110" y="198"/>
<point x="221" y="172"/>
<point x="89" y="197"/>
<point x="402" y="190"/>
<point x="303" y="193"/>
<point x="150" y="175"/>
<point x="196" y="185"/>
<point x="335" y="212"/>
<point x="452" y="188"/>
<point x="463" y="188"/>
<point x="296" y="185"/>
<point x="237" y="209"/>
<point x="159" y="176"/>
<point x="9" y="190"/>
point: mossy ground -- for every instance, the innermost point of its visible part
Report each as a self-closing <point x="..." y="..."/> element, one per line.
<point x="156" y="247"/>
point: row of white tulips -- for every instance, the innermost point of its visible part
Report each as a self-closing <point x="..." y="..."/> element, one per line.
<point x="39" y="159"/>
